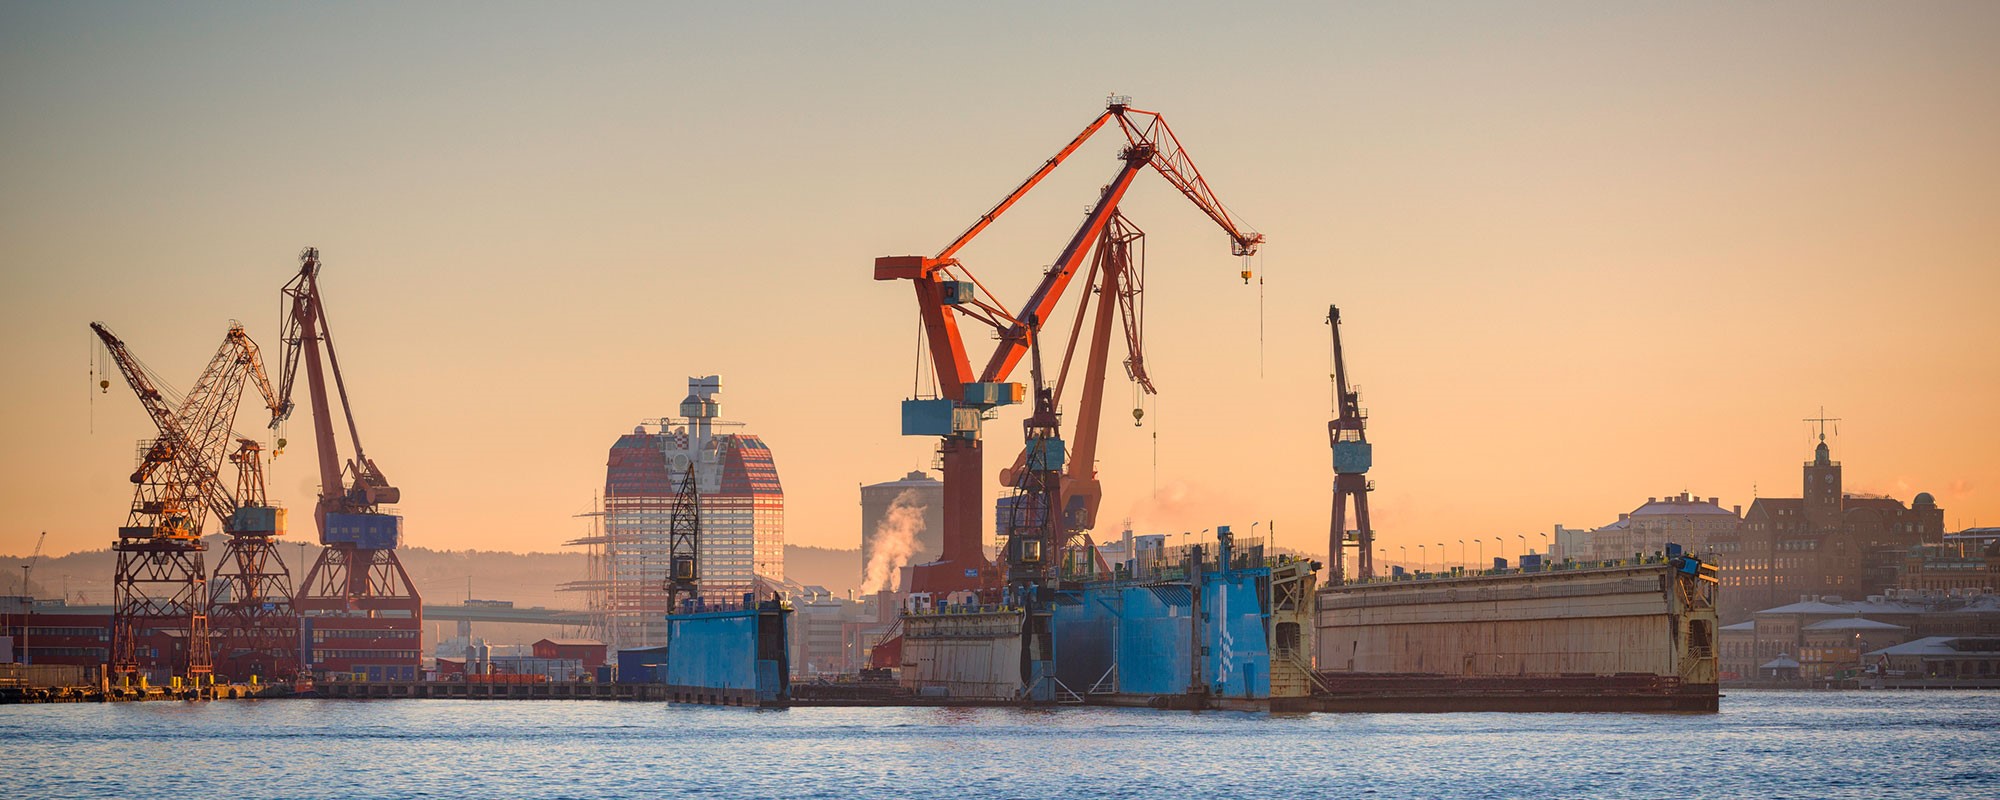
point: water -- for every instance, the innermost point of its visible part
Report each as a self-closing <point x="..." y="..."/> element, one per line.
<point x="1762" y="745"/>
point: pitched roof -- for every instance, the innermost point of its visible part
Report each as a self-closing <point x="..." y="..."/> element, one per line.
<point x="1937" y="646"/>
<point x="1854" y="624"/>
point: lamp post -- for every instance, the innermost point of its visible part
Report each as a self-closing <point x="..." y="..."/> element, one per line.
<point x="1524" y="542"/>
<point x="1545" y="545"/>
<point x="1422" y="560"/>
<point x="1441" y="568"/>
<point x="1406" y="552"/>
<point x="1500" y="545"/>
<point x="1461" y="551"/>
<point x="1482" y="552"/>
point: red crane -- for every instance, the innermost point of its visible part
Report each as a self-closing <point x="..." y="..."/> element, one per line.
<point x="357" y="592"/>
<point x="946" y="289"/>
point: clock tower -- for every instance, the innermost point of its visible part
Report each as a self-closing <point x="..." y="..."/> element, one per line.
<point x="1822" y="490"/>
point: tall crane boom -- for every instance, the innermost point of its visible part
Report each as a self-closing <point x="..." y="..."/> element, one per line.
<point x="160" y="577"/>
<point x="945" y="290"/>
<point x="196" y="433"/>
<point x="360" y="596"/>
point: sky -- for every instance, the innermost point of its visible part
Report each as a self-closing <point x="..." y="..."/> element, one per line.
<point x="1586" y="253"/>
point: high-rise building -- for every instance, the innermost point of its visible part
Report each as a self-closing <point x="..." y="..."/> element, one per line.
<point x="742" y="516"/>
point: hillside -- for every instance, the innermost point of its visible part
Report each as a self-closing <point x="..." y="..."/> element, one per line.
<point x="528" y="579"/>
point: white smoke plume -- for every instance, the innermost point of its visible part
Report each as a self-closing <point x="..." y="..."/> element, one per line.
<point x="895" y="542"/>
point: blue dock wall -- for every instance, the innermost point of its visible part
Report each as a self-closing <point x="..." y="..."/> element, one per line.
<point x="716" y="650"/>
<point x="1147" y="632"/>
<point x="1239" y="658"/>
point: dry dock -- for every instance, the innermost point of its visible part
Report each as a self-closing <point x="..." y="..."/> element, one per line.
<point x="1637" y="636"/>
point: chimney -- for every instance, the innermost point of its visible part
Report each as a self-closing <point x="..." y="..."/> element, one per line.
<point x="1738" y="509"/>
<point x="1715" y="501"/>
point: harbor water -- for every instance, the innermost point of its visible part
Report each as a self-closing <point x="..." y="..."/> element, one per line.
<point x="1762" y="745"/>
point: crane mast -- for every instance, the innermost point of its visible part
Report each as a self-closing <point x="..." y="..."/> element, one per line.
<point x="357" y="594"/>
<point x="1347" y="432"/>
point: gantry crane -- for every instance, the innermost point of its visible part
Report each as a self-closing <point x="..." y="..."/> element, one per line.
<point x="160" y="573"/>
<point x="357" y="575"/>
<point x="1347" y="432"/>
<point x="946" y="289"/>
<point x="251" y="608"/>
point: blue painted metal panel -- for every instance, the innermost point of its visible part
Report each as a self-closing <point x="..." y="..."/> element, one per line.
<point x="770" y="684"/>
<point x="1150" y="634"/>
<point x="713" y="650"/>
<point x="641" y="664"/>
<point x="1153" y="637"/>
<point x="1353" y="457"/>
<point x="366" y="531"/>
<point x="926" y="417"/>
<point x="1046" y="455"/>
<point x="1239" y="660"/>
<point x="1086" y="630"/>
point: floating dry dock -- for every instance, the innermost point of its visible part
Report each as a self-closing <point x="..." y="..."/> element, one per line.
<point x="1626" y="636"/>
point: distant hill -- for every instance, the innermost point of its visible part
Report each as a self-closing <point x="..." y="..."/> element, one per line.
<point x="528" y="579"/>
<point x="837" y="570"/>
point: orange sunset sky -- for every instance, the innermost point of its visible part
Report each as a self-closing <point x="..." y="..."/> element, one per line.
<point x="1586" y="252"/>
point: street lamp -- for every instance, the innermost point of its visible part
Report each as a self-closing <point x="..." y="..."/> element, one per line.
<point x="1461" y="551"/>
<point x="1406" y="552"/>
<point x="1482" y="552"/>
<point x="1422" y="560"/>
<point x="1545" y="544"/>
<point x="1441" y="557"/>
<point x="1500" y="545"/>
<point x="1524" y="542"/>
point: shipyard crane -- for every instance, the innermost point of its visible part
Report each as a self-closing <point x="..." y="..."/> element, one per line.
<point x="28" y="568"/>
<point x="1347" y="432"/>
<point x="160" y="572"/>
<point x="946" y="289"/>
<point x="684" y="543"/>
<point x="357" y="574"/>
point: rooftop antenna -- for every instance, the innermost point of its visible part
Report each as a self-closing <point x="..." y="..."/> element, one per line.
<point x="1822" y="421"/>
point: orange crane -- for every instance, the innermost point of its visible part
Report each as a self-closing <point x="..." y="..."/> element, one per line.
<point x="946" y="289"/>
<point x="160" y="574"/>
<point x="357" y="595"/>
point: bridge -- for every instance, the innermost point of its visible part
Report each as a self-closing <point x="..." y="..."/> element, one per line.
<point x="498" y="613"/>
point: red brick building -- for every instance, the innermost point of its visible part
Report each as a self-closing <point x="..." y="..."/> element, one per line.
<point x="1826" y="542"/>
<point x="588" y="651"/>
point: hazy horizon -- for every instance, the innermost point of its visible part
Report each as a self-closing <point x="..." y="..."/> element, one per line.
<point x="1586" y="254"/>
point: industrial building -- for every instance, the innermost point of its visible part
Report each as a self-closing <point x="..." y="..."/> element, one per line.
<point x="742" y="507"/>
<point x="886" y="512"/>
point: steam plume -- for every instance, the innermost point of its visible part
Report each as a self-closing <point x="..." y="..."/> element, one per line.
<point x="895" y="542"/>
